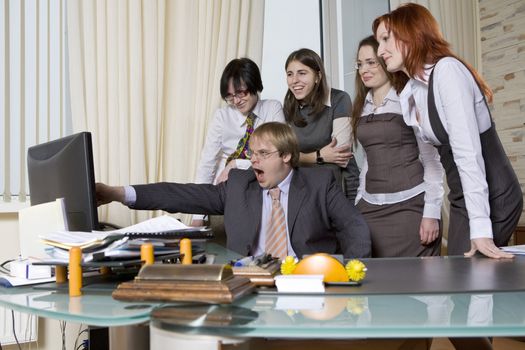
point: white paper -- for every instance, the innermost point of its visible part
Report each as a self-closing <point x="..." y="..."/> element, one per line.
<point x="10" y="281"/>
<point x="79" y="238"/>
<point x="515" y="249"/>
<point x="160" y="223"/>
<point x="299" y="283"/>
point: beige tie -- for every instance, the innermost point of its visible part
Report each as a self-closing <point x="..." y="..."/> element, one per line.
<point x="276" y="240"/>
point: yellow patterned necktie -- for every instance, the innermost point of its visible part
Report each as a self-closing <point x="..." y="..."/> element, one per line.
<point x="244" y="142"/>
<point x="276" y="238"/>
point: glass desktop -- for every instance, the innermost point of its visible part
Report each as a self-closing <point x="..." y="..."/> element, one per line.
<point x="331" y="316"/>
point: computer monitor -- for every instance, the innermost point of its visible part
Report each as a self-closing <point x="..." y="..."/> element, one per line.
<point x="63" y="168"/>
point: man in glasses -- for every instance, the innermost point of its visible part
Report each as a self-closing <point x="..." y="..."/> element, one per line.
<point x="275" y="207"/>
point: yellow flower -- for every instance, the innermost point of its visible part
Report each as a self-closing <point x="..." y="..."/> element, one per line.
<point x="356" y="270"/>
<point x="288" y="265"/>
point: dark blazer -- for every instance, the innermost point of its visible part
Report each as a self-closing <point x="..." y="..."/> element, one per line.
<point x="320" y="217"/>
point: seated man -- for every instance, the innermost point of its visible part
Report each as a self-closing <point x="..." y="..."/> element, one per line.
<point x="275" y="207"/>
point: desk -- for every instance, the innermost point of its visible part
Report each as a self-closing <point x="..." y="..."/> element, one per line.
<point x="387" y="305"/>
<point x="400" y="298"/>
<point x="95" y="307"/>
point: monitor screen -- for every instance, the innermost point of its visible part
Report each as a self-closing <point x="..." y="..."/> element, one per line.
<point x="64" y="169"/>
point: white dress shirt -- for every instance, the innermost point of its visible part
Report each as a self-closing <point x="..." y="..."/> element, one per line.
<point x="464" y="115"/>
<point x="433" y="171"/>
<point x="227" y="127"/>
<point x="284" y="186"/>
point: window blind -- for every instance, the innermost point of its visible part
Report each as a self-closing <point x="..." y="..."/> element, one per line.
<point x="33" y="92"/>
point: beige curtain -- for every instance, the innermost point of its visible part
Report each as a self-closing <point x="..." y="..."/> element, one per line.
<point x="144" y="79"/>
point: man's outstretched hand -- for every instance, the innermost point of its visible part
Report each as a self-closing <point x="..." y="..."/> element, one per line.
<point x="107" y="194"/>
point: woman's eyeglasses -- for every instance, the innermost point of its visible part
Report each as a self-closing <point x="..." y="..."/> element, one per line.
<point x="369" y="63"/>
<point x="239" y="94"/>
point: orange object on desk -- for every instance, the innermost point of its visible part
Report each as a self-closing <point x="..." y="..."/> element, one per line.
<point x="185" y="248"/>
<point x="75" y="272"/>
<point x="146" y="253"/>
<point x="60" y="274"/>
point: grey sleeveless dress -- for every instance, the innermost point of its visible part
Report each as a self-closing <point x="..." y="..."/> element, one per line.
<point x="393" y="166"/>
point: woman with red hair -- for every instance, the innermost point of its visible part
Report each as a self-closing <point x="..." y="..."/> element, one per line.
<point x="445" y="99"/>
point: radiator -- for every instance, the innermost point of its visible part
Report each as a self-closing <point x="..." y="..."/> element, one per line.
<point x="26" y="327"/>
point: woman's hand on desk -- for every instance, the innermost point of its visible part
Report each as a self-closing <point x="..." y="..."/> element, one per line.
<point x="107" y="194"/>
<point x="486" y="247"/>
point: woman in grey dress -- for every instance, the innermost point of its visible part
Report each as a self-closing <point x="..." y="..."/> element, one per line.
<point x="320" y="117"/>
<point x="400" y="190"/>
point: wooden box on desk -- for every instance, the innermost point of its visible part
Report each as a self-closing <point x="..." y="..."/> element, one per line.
<point x="174" y="282"/>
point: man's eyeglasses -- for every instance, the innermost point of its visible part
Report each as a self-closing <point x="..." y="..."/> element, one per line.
<point x="239" y="94"/>
<point x="369" y="63"/>
<point x="259" y="154"/>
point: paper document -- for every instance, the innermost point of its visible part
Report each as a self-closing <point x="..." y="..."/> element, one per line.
<point x="299" y="283"/>
<point x="514" y="249"/>
<point x="67" y="239"/>
<point x="104" y="245"/>
<point x="161" y="223"/>
<point x="10" y="281"/>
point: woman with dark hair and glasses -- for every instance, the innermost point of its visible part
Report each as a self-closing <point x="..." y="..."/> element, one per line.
<point x="229" y="132"/>
<point x="320" y="117"/>
<point x="400" y="188"/>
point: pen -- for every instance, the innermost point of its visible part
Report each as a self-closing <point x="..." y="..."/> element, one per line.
<point x="243" y="261"/>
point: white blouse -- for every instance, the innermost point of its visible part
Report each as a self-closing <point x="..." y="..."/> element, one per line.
<point x="464" y="116"/>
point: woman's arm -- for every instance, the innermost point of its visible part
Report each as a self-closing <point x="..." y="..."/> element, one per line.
<point x="338" y="151"/>
<point x="455" y="90"/>
<point x="433" y="178"/>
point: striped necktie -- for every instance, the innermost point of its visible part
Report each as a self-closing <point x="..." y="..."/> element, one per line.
<point x="276" y="238"/>
<point x="242" y="146"/>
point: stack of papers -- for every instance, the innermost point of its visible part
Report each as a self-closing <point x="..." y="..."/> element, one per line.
<point x="103" y="245"/>
<point x="514" y="249"/>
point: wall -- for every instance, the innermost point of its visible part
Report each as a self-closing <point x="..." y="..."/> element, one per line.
<point x="502" y="25"/>
<point x="288" y="25"/>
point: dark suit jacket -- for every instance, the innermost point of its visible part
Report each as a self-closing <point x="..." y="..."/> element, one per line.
<point x="320" y="217"/>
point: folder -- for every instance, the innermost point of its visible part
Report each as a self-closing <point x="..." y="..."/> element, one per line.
<point x="37" y="220"/>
